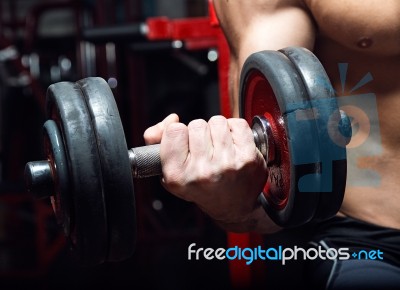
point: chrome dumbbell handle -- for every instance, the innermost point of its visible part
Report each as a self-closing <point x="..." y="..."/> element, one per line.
<point x="39" y="175"/>
<point x="145" y="161"/>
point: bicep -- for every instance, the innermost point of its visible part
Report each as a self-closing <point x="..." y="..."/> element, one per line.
<point x="256" y="25"/>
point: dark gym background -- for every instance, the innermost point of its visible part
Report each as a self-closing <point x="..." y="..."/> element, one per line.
<point x="41" y="43"/>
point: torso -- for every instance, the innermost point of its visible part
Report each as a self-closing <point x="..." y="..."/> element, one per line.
<point x="368" y="40"/>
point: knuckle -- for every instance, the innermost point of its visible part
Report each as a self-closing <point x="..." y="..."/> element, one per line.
<point x="217" y="120"/>
<point x="242" y="128"/>
<point x="241" y="124"/>
<point x="175" y="130"/>
<point x="238" y="125"/>
<point x="198" y="124"/>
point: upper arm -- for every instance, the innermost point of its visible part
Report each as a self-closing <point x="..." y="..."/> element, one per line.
<point x="256" y="25"/>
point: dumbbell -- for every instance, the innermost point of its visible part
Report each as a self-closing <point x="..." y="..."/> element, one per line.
<point x="88" y="170"/>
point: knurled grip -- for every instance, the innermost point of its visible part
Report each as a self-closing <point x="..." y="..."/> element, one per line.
<point x="145" y="161"/>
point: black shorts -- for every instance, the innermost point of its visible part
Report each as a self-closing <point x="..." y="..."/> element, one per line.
<point x="373" y="260"/>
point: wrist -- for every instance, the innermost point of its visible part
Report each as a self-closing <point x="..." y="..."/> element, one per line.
<point x="256" y="221"/>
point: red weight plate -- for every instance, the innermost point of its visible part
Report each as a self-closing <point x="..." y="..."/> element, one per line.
<point x="261" y="100"/>
<point x="271" y="87"/>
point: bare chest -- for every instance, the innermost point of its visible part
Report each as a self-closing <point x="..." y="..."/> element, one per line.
<point x="369" y="25"/>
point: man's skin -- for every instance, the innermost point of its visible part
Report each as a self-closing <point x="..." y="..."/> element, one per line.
<point x="215" y="164"/>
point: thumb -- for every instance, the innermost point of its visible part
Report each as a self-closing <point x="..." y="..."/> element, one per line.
<point x="153" y="134"/>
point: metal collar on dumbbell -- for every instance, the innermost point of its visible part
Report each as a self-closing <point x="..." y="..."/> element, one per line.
<point x="262" y="133"/>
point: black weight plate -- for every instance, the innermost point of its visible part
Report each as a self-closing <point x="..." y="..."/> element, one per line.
<point x="55" y="153"/>
<point x="88" y="234"/>
<point x="270" y="86"/>
<point x="327" y="118"/>
<point x="116" y="169"/>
